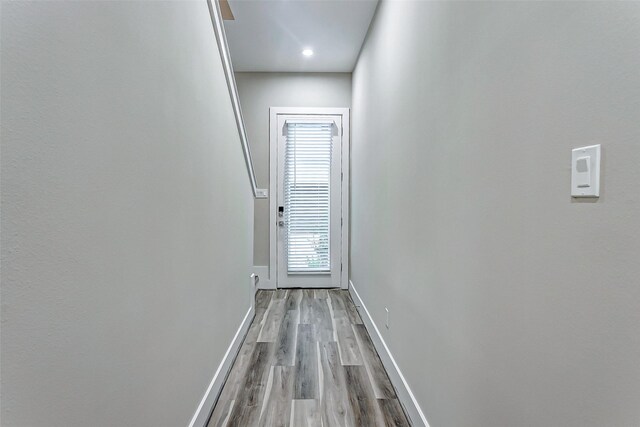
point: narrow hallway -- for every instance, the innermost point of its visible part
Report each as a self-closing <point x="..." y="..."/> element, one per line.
<point x="349" y="213"/>
<point x="307" y="360"/>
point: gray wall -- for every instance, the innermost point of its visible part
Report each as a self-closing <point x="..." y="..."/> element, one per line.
<point x="260" y="91"/>
<point x="126" y="213"/>
<point x="510" y="304"/>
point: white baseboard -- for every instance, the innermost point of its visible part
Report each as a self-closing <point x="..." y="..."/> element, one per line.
<point x="264" y="282"/>
<point x="201" y="416"/>
<point x="406" y="397"/>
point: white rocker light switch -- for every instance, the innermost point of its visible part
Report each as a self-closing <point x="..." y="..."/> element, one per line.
<point x="585" y="171"/>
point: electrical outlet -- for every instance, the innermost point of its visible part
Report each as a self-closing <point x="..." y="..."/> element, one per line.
<point x="386" y="323"/>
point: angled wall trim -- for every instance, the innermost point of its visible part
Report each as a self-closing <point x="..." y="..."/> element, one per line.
<point x="264" y="280"/>
<point x="223" y="47"/>
<point x="406" y="397"/>
<point x="202" y="414"/>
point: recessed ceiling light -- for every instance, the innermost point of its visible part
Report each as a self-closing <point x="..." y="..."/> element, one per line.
<point x="307" y="52"/>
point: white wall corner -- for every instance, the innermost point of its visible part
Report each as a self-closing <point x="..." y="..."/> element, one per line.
<point x="405" y="396"/>
<point x="201" y="416"/>
<point x="264" y="281"/>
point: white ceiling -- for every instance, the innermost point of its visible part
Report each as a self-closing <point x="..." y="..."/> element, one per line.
<point x="269" y="35"/>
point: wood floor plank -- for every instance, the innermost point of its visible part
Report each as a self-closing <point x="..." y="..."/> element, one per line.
<point x="293" y="299"/>
<point x="337" y="301"/>
<point x="321" y="294"/>
<point x="315" y="311"/>
<point x="392" y="413"/>
<point x="280" y="294"/>
<point x="306" y="307"/>
<point x="321" y="319"/>
<point x="246" y="409"/>
<point x="349" y="349"/>
<point x="286" y="341"/>
<point x="256" y="325"/>
<point x="263" y="297"/>
<point x="306" y="364"/>
<point x="365" y="407"/>
<point x="256" y="375"/>
<point x="271" y="324"/>
<point x="343" y="304"/>
<point x="276" y="409"/>
<point x="305" y="413"/>
<point x="334" y="401"/>
<point x="243" y="415"/>
<point x="352" y="311"/>
<point x="236" y="377"/>
<point x="380" y="381"/>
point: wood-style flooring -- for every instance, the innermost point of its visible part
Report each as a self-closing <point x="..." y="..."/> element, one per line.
<point x="307" y="360"/>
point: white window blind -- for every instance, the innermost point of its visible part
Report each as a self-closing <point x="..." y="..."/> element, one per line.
<point x="307" y="177"/>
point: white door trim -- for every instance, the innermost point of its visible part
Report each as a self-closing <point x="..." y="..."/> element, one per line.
<point x="273" y="170"/>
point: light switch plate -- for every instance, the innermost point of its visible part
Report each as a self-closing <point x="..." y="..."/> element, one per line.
<point x="262" y="193"/>
<point x="585" y="171"/>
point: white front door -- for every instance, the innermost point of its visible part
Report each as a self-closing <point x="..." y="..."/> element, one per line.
<point x="309" y="200"/>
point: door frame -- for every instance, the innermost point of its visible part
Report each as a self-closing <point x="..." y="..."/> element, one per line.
<point x="273" y="187"/>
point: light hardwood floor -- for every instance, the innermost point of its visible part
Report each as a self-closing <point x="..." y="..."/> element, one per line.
<point x="307" y="360"/>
